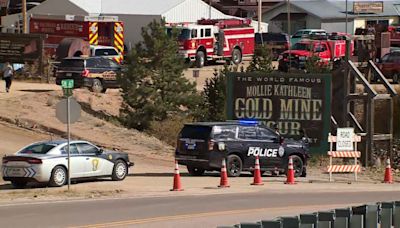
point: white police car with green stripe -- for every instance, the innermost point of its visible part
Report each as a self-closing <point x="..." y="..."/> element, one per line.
<point x="47" y="162"/>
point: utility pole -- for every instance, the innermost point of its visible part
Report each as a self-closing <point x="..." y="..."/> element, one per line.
<point x="346" y="18"/>
<point x="259" y="15"/>
<point x="209" y="13"/>
<point x="24" y="19"/>
<point x="289" y="33"/>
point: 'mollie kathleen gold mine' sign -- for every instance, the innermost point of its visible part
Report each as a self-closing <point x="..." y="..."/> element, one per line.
<point x="297" y="103"/>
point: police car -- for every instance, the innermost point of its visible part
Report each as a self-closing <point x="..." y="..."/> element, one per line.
<point x="47" y="162"/>
<point x="202" y="146"/>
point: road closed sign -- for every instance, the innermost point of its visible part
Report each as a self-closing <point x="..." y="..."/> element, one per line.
<point x="344" y="139"/>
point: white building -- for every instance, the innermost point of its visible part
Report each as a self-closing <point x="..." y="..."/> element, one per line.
<point x="134" y="13"/>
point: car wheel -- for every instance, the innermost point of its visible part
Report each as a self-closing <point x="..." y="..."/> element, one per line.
<point x="97" y="86"/>
<point x="194" y="171"/>
<point x="58" y="177"/>
<point x="19" y="184"/>
<point x="396" y="78"/>
<point x="236" y="56"/>
<point x="120" y="171"/>
<point x="297" y="165"/>
<point x="234" y="165"/>
<point x="200" y="59"/>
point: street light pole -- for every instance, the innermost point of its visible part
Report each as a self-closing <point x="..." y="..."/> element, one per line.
<point x="346" y="17"/>
<point x="288" y="28"/>
<point x="209" y="12"/>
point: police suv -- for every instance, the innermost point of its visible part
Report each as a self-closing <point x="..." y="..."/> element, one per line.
<point x="202" y="146"/>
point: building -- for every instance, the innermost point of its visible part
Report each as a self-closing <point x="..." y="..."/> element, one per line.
<point x="134" y="13"/>
<point x="242" y="8"/>
<point x="329" y="15"/>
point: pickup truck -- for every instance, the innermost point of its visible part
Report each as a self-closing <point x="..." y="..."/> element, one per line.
<point x="328" y="52"/>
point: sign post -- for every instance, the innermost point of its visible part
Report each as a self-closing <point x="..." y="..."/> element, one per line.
<point x="68" y="111"/>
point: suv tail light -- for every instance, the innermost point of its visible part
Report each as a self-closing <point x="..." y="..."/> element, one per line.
<point x="34" y="161"/>
<point x="85" y="73"/>
<point x="210" y="145"/>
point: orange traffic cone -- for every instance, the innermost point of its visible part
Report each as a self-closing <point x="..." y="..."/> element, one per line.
<point x="388" y="173"/>
<point x="177" y="179"/>
<point x="290" y="173"/>
<point x="257" y="173"/>
<point x="224" y="176"/>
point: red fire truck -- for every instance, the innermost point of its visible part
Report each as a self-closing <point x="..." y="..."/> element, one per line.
<point x="213" y="39"/>
<point x="98" y="30"/>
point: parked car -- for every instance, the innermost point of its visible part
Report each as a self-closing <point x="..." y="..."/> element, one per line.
<point x="202" y="146"/>
<point x="390" y="66"/>
<point x="277" y="42"/>
<point x="47" y="162"/>
<point x="96" y="73"/>
<point x="307" y="33"/>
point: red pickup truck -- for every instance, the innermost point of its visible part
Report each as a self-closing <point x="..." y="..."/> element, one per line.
<point x="328" y="51"/>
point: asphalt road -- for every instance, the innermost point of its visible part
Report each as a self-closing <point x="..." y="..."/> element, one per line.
<point x="178" y="211"/>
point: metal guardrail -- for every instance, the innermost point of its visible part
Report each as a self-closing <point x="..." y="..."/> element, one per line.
<point x="383" y="215"/>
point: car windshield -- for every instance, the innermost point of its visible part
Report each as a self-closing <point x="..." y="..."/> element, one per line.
<point x="302" y="46"/>
<point x="40" y="148"/>
<point x="72" y="63"/>
<point x="105" y="52"/>
<point x="183" y="33"/>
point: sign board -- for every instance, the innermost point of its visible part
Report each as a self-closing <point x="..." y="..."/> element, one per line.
<point x="67" y="83"/>
<point x="74" y="109"/>
<point x="368" y="7"/>
<point x="344" y="139"/>
<point x="295" y="102"/>
<point x="20" y="48"/>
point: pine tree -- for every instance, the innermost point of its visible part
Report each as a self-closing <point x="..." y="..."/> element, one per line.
<point x="262" y="60"/>
<point x="154" y="85"/>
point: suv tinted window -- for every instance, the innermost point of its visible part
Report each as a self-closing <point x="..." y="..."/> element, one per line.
<point x="224" y="132"/>
<point x="96" y="62"/>
<point x="105" y="52"/>
<point x="247" y="132"/>
<point x="72" y="63"/>
<point x="265" y="133"/>
<point x="195" y="132"/>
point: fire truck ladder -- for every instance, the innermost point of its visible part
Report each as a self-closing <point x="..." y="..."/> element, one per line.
<point x="358" y="109"/>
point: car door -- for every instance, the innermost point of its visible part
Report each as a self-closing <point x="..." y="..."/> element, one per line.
<point x="270" y="142"/>
<point x="77" y="162"/>
<point x="387" y="65"/>
<point x="251" y="145"/>
<point x="93" y="165"/>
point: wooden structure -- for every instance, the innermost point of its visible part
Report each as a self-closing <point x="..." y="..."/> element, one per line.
<point x="355" y="168"/>
<point x="352" y="92"/>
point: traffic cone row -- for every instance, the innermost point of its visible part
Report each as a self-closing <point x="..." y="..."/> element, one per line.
<point x="290" y="173"/>
<point x="257" y="173"/>
<point x="388" y="173"/>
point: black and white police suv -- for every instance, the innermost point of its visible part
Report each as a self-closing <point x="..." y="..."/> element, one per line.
<point x="202" y="146"/>
<point x="47" y="162"/>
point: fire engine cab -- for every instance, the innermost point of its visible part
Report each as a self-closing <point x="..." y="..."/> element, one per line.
<point x="214" y="39"/>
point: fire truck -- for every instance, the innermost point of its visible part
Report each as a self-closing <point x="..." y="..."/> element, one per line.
<point x="214" y="39"/>
<point x="97" y="30"/>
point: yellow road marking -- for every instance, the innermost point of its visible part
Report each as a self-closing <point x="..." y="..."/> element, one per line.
<point x="198" y="215"/>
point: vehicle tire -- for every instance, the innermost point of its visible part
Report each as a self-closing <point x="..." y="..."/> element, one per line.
<point x="120" y="171"/>
<point x="236" y="56"/>
<point x="200" y="59"/>
<point x="234" y="165"/>
<point x="396" y="78"/>
<point x="194" y="171"/>
<point x="97" y="86"/>
<point x="297" y="165"/>
<point x="58" y="177"/>
<point x="19" y="184"/>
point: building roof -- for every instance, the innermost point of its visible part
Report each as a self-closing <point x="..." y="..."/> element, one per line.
<point x="136" y="7"/>
<point x="333" y="9"/>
